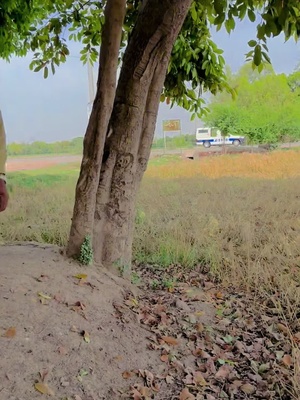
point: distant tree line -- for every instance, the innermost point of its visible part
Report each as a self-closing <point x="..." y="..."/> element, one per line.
<point x="266" y="108"/>
<point x="74" y="146"/>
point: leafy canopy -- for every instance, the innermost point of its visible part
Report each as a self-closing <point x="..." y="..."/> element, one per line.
<point x="45" y="27"/>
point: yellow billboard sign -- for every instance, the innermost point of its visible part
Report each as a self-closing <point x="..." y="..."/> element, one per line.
<point x="172" y="125"/>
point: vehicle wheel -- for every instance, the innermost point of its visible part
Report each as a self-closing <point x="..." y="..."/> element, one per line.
<point x="236" y="142"/>
<point x="206" y="145"/>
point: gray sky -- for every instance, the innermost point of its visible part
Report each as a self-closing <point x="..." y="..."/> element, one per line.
<point x="56" y="108"/>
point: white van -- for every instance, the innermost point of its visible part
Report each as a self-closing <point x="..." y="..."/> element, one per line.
<point x="213" y="137"/>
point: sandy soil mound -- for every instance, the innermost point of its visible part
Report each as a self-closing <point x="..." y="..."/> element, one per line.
<point x="54" y="325"/>
<point x="77" y="333"/>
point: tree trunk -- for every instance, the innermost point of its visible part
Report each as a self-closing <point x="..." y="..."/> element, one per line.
<point x="132" y="126"/>
<point x="86" y="189"/>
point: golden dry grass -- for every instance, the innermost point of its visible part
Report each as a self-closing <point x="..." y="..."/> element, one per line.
<point x="279" y="164"/>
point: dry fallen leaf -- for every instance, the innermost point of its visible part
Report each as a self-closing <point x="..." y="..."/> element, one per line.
<point x="44" y="296"/>
<point x="10" y="333"/>
<point x="247" y="388"/>
<point x="169" y="379"/>
<point x="223" y="372"/>
<point x="43" y="374"/>
<point x="164" y="358"/>
<point x="44" y="389"/>
<point x="186" y="395"/>
<point x="86" y="337"/>
<point x="80" y="276"/>
<point x="170" y="340"/>
<point x="199" y="379"/>
<point x="219" y="295"/>
<point x="296" y="338"/>
<point x="136" y="395"/>
<point x="282" y="328"/>
<point x="132" y="302"/>
<point x="127" y="374"/>
<point x="287" y="360"/>
<point x="199" y="327"/>
<point x="74" y="329"/>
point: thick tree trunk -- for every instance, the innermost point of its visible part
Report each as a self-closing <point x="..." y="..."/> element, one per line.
<point x="132" y="126"/>
<point x="86" y="189"/>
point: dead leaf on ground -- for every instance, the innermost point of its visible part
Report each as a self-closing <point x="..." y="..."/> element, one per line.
<point x="199" y="379"/>
<point x="127" y="374"/>
<point x="170" y="340"/>
<point x="80" y="276"/>
<point x="219" y="295"/>
<point x="186" y="395"/>
<point x="247" y="388"/>
<point x="283" y="328"/>
<point x="79" y="305"/>
<point x="297" y="336"/>
<point x="136" y="395"/>
<point x="149" y="379"/>
<point x="164" y="358"/>
<point x="223" y="372"/>
<point x="44" y="296"/>
<point x="43" y="374"/>
<point x="10" y="333"/>
<point x="74" y="329"/>
<point x="44" y="389"/>
<point x="169" y="379"/>
<point x="287" y="360"/>
<point x="86" y="337"/>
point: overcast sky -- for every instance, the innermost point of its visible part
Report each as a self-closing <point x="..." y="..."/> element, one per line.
<point x="56" y="108"/>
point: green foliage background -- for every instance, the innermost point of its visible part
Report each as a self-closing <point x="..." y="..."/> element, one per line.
<point x="266" y="108"/>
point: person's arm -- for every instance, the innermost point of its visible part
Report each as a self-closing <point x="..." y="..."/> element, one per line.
<point x="3" y="189"/>
<point x="2" y="149"/>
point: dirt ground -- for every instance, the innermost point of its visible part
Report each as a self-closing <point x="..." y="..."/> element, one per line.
<point x="76" y="333"/>
<point x="74" y="336"/>
<point x="31" y="163"/>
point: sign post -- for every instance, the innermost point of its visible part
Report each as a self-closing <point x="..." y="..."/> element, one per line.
<point x="170" y="125"/>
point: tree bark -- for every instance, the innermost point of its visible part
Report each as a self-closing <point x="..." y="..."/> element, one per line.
<point x="86" y="189"/>
<point x="132" y="127"/>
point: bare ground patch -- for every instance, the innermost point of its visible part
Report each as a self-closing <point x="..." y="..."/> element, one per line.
<point x="177" y="336"/>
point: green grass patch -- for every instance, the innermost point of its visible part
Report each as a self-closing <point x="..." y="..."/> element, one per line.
<point x="41" y="178"/>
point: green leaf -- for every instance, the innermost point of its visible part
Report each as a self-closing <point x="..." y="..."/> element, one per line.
<point x="52" y="68"/>
<point x="229" y="25"/>
<point x="46" y="72"/>
<point x="38" y="68"/>
<point x="194" y="14"/>
<point x="266" y="57"/>
<point x="252" y="43"/>
<point x="257" y="55"/>
<point x="251" y="15"/>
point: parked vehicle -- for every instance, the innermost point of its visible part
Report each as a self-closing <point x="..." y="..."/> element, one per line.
<point x="213" y="137"/>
